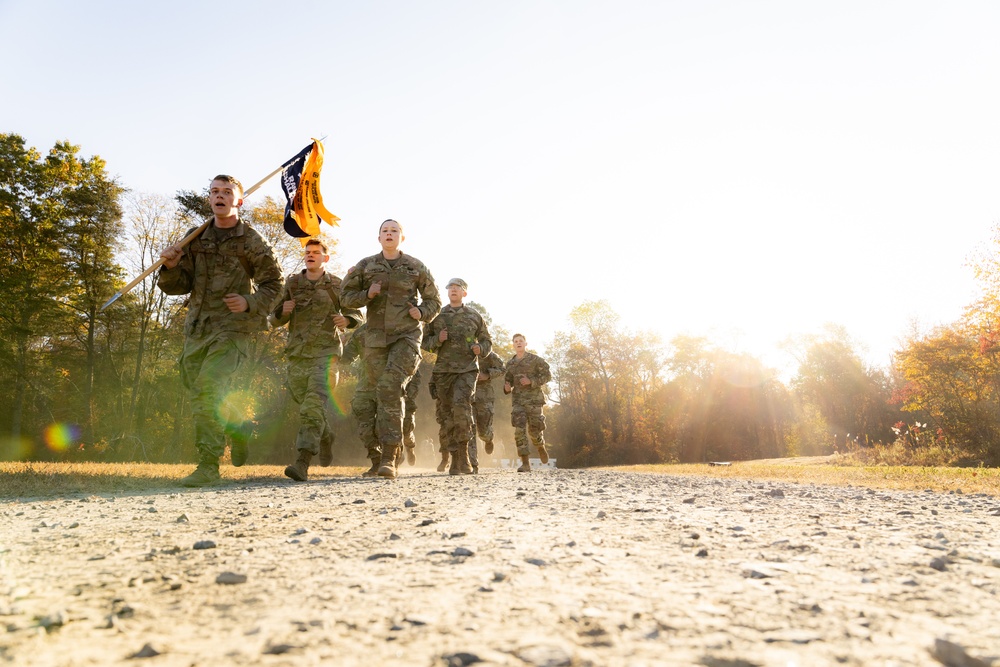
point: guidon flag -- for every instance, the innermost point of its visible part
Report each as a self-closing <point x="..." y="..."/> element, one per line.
<point x="304" y="203"/>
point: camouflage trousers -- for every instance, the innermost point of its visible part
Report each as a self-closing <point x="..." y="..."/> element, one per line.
<point x="482" y="407"/>
<point x="310" y="382"/>
<point x="389" y="369"/>
<point x="455" y="392"/>
<point x="410" y="411"/>
<point x="364" y="408"/>
<point x="528" y="421"/>
<point x="208" y="364"/>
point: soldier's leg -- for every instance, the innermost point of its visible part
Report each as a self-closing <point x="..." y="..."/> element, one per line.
<point x="207" y="366"/>
<point x="409" y="419"/>
<point x="330" y="377"/>
<point x="363" y="407"/>
<point x="519" y="420"/>
<point x="536" y="426"/>
<point x="441" y="410"/>
<point x="308" y="385"/>
<point x="484" y="422"/>
<point x="400" y="363"/>
<point x="463" y="392"/>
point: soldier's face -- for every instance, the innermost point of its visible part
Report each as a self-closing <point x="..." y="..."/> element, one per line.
<point x="456" y="294"/>
<point x="520" y="344"/>
<point x="315" y="257"/>
<point x="390" y="235"/>
<point x="224" y="198"/>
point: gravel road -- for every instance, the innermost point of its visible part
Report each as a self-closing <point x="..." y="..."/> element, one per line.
<point x="558" y="567"/>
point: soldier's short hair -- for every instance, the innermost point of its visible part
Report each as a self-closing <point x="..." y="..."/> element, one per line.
<point x="390" y="220"/>
<point x="518" y="335"/>
<point x="226" y="178"/>
<point x="315" y="241"/>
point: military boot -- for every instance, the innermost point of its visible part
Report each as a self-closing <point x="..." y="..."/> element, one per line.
<point x="444" y="462"/>
<point x="411" y="455"/>
<point x="543" y="455"/>
<point x="525" y="464"/>
<point x="299" y="471"/>
<point x="399" y="457"/>
<point x="326" y="449"/>
<point x="387" y="467"/>
<point x="489" y="446"/>
<point x="373" y="471"/>
<point x="239" y="442"/>
<point x="460" y="464"/>
<point x="206" y="473"/>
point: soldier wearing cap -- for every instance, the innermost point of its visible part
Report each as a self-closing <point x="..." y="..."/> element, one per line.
<point x="459" y="337"/>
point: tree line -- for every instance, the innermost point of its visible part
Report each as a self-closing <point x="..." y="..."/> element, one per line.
<point x="79" y="383"/>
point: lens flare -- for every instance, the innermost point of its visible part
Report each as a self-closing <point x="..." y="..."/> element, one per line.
<point x="236" y="408"/>
<point x="60" y="436"/>
<point x="339" y="401"/>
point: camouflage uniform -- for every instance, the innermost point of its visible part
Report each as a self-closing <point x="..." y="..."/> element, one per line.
<point x="410" y="403"/>
<point x="312" y="350"/>
<point x="455" y="371"/>
<point x="217" y="263"/>
<point x="392" y="337"/>
<point x="482" y="404"/>
<point x="526" y="403"/>
<point x="363" y="404"/>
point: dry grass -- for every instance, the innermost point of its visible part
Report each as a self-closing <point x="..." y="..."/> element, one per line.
<point x="830" y="470"/>
<point x="32" y="479"/>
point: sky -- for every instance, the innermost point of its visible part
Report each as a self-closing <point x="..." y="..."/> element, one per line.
<point x="743" y="171"/>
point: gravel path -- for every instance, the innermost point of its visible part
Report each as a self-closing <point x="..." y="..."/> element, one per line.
<point x="558" y="567"/>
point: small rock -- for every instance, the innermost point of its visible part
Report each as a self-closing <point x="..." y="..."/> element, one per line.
<point x="394" y="536"/>
<point x="147" y="651"/>
<point x="461" y="659"/>
<point x="409" y="503"/>
<point x="315" y="540"/>
<point x="536" y="561"/>
<point x="939" y="564"/>
<point x="776" y="493"/>
<point x="230" y="578"/>
<point x="279" y="649"/>
<point x="380" y="556"/>
<point x="702" y="553"/>
<point x="953" y="655"/>
<point x="204" y="544"/>
<point x="183" y="518"/>
<point x="602" y="514"/>
<point x="462" y="551"/>
<point x="300" y="531"/>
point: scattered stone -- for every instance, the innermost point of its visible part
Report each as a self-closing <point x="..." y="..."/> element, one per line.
<point x="147" y="651"/>
<point x="380" y="556"/>
<point x="939" y="564"/>
<point x="462" y="552"/>
<point x="315" y="540"/>
<point x="183" y="518"/>
<point x="776" y="493"/>
<point x="535" y="561"/>
<point x="545" y="656"/>
<point x="394" y="536"/>
<point x="279" y="649"/>
<point x="204" y="544"/>
<point x="702" y="553"/>
<point x="409" y="503"/>
<point x="300" y="531"/>
<point x="460" y="659"/>
<point x="602" y="514"/>
<point x="230" y="578"/>
<point x="954" y="655"/>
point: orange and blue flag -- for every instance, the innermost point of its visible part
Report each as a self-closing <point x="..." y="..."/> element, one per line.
<point x="304" y="203"/>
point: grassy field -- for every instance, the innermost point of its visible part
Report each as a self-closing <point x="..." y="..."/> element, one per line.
<point x="32" y="480"/>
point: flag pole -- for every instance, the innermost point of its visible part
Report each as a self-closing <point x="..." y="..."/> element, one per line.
<point x="183" y="242"/>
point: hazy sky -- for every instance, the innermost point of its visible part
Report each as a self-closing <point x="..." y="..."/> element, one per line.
<point x="741" y="170"/>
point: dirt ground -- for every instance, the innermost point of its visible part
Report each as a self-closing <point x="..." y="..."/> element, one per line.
<point x="556" y="567"/>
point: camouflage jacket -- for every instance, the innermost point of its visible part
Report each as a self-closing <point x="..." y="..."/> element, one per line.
<point x="221" y="262"/>
<point x="535" y="369"/>
<point x="491" y="365"/>
<point x="388" y="314"/>
<point x="311" y="331"/>
<point x="465" y="329"/>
